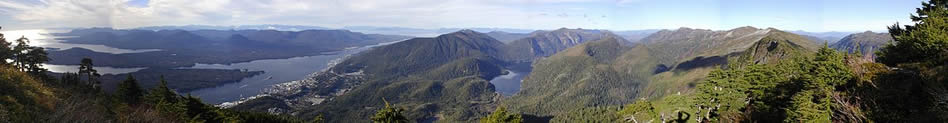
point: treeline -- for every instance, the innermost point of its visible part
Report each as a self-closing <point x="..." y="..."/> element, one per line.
<point x="908" y="84"/>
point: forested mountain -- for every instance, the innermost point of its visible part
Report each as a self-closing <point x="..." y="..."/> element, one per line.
<point x="32" y="94"/>
<point x="688" y="55"/>
<point x="181" y="48"/>
<point x="241" y="27"/>
<point x="595" y="73"/>
<point x="434" y="78"/>
<point x="745" y="74"/>
<point x="906" y="85"/>
<point x="592" y="76"/>
<point x="865" y="43"/>
<point x="546" y="43"/>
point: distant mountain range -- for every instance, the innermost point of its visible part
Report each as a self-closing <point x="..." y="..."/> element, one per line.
<point x="446" y="77"/>
<point x="820" y="37"/>
<point x="631" y="35"/>
<point x="635" y="35"/>
<point x="417" y="32"/>
<point x="239" y="27"/>
<point x="213" y="46"/>
<point x="546" y="43"/>
<point x="867" y="43"/>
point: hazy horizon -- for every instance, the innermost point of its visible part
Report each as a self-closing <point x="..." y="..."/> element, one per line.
<point x="806" y="15"/>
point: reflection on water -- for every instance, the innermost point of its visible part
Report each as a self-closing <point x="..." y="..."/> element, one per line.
<point x="101" y="70"/>
<point x="509" y="84"/>
<point x="276" y="71"/>
<point x="43" y="38"/>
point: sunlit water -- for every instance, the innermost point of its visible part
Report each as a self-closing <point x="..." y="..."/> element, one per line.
<point x="44" y="38"/>
<point x="99" y="69"/>
<point x="276" y="71"/>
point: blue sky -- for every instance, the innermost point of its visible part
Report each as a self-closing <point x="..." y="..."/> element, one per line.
<point x="808" y="15"/>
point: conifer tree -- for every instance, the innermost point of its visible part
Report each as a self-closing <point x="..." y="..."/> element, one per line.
<point x="5" y="50"/>
<point x="129" y="92"/>
<point x="389" y="114"/>
<point x="161" y="93"/>
<point x="85" y="67"/>
<point x="925" y="41"/>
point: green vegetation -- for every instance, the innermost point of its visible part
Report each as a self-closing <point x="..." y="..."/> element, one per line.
<point x="24" y="57"/>
<point x="596" y="73"/>
<point x="825" y="86"/>
<point x="129" y="91"/>
<point x="502" y="116"/>
<point x="28" y="96"/>
<point x="443" y="77"/>
<point x="389" y="114"/>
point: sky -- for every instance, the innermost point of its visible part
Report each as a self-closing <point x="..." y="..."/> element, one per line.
<point x="807" y="15"/>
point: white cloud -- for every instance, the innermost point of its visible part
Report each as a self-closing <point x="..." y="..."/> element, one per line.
<point x="332" y="13"/>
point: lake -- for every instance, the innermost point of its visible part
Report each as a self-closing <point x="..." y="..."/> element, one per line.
<point x="509" y="84"/>
<point x="276" y="71"/>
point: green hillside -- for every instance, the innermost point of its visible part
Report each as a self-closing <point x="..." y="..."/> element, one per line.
<point x="699" y="55"/>
<point x="596" y="73"/>
<point x="546" y="43"/>
<point x="434" y="78"/>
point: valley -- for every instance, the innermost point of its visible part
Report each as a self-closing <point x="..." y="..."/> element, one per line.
<point x="430" y="61"/>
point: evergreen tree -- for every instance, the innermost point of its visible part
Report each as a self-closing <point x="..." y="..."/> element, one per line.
<point x="924" y="42"/>
<point x="389" y="114"/>
<point x="129" y="92"/>
<point x="85" y="67"/>
<point x="640" y="111"/>
<point x="20" y="53"/>
<point x="920" y="52"/>
<point x="5" y="50"/>
<point x="34" y="60"/>
<point x="809" y="106"/>
<point x="197" y="111"/>
<point x="502" y="116"/>
<point x="161" y="93"/>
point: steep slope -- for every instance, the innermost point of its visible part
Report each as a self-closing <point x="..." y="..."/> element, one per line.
<point x="24" y="99"/>
<point x="595" y="73"/>
<point x="433" y="78"/>
<point x="866" y="42"/>
<point x="672" y="47"/>
<point x="546" y="43"/>
<point x="699" y="56"/>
